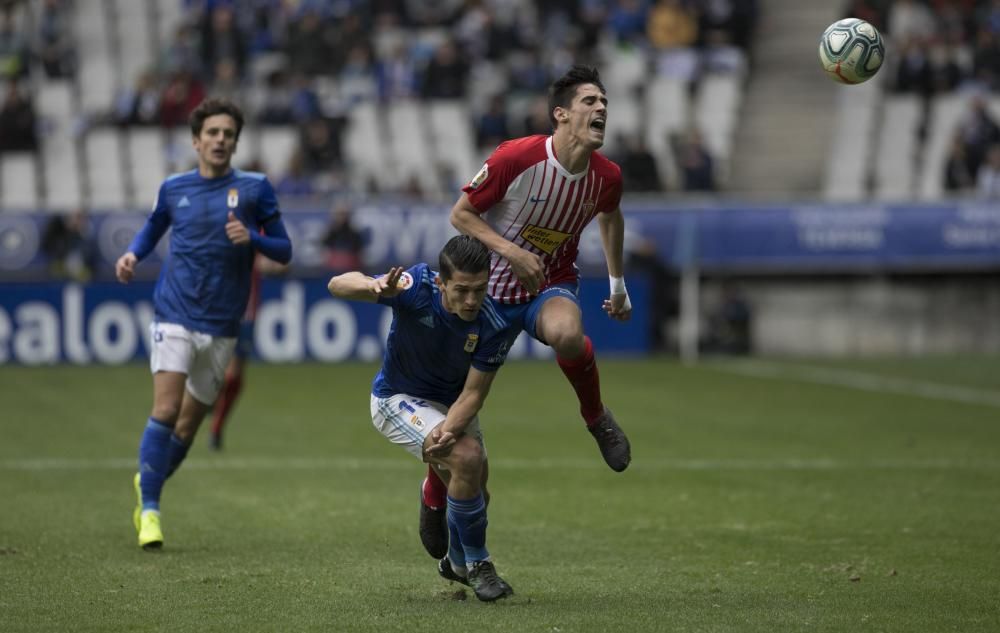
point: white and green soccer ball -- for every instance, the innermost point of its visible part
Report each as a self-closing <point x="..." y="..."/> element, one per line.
<point x="851" y="51"/>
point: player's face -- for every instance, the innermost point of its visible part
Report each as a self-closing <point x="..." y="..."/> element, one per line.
<point x="464" y="293"/>
<point x="587" y="115"/>
<point x="216" y="143"/>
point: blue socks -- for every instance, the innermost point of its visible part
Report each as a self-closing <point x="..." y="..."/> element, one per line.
<point x="467" y="526"/>
<point x="178" y="451"/>
<point x="160" y="453"/>
<point x="154" y="461"/>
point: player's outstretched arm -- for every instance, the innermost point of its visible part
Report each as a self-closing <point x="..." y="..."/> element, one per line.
<point x="460" y="414"/>
<point x="356" y="286"/>
<point x="612" y="226"/>
<point x="526" y="265"/>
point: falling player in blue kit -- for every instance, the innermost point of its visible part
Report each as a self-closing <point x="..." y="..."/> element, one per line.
<point x="216" y="214"/>
<point x="445" y="344"/>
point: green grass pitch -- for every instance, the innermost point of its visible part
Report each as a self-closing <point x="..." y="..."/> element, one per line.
<point x="762" y="496"/>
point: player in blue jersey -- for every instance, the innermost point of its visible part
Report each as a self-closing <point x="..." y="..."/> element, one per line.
<point x="446" y="342"/>
<point x="220" y="218"/>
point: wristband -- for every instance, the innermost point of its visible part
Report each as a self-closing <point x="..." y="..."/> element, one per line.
<point x="617" y="285"/>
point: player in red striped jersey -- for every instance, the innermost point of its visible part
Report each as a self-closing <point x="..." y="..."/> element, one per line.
<point x="529" y="204"/>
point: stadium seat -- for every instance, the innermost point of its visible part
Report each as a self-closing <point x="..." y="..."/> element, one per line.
<point x="667" y="114"/>
<point x="277" y="143"/>
<point x="624" y="118"/>
<point x="18" y="183"/>
<point x="944" y="118"/>
<point x="364" y="146"/>
<point x="147" y="165"/>
<point x="716" y="108"/>
<point x="857" y="109"/>
<point x="105" y="171"/>
<point x="95" y="77"/>
<point x="409" y="145"/>
<point x="454" y="138"/>
<point x="717" y="111"/>
<point x="132" y="26"/>
<point x="897" y="148"/>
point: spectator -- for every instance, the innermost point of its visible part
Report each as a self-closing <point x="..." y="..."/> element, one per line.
<point x="221" y="40"/>
<point x="320" y="146"/>
<point x="70" y="247"/>
<point x="491" y="128"/>
<point x="988" y="176"/>
<point x="180" y="97"/>
<point x="139" y="105"/>
<point x="17" y="122"/>
<point x="696" y="164"/>
<point x="396" y="76"/>
<point x="276" y="108"/>
<point x="664" y="286"/>
<point x="54" y="40"/>
<point x="672" y="29"/>
<point x="730" y="324"/>
<point x="627" y="20"/>
<point x="311" y="44"/>
<point x="295" y="182"/>
<point x="344" y="244"/>
<point x="979" y="131"/>
<point x="958" y="177"/>
<point x="446" y="74"/>
<point x="639" y="166"/>
<point x="13" y="46"/>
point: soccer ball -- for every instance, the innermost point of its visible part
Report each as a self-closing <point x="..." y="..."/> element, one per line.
<point x="851" y="51"/>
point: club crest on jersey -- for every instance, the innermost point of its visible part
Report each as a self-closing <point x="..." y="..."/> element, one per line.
<point x="545" y="239"/>
<point x="471" y="342"/>
<point x="405" y="281"/>
<point x="588" y="206"/>
<point x="233" y="199"/>
<point x="480" y="177"/>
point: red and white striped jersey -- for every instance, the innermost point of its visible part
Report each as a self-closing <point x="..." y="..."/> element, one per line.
<point x="530" y="199"/>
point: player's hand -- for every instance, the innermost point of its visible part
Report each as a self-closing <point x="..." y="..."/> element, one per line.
<point x="528" y="268"/>
<point x="236" y="231"/>
<point x="388" y="284"/>
<point x="125" y="267"/>
<point x="440" y="443"/>
<point x="618" y="307"/>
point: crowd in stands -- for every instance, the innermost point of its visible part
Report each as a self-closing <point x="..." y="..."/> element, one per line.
<point x="945" y="47"/>
<point x="306" y="63"/>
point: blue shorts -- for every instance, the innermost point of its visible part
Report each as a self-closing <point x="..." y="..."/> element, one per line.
<point x="524" y="316"/>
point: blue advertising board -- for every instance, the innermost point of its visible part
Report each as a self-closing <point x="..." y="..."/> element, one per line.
<point x="718" y="237"/>
<point x="297" y="320"/>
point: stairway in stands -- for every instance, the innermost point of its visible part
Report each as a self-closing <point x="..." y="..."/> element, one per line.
<point x="785" y="128"/>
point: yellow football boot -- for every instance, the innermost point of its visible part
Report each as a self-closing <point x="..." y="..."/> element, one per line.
<point x="150" y="534"/>
<point x="138" y="502"/>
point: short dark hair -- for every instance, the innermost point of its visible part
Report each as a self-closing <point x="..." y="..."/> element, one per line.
<point x="562" y="90"/>
<point x="211" y="107"/>
<point x="463" y="253"/>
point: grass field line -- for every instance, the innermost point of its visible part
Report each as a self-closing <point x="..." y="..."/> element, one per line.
<point x="371" y="463"/>
<point x="863" y="381"/>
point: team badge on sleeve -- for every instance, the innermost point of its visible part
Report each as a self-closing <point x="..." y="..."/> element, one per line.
<point x="233" y="199"/>
<point x="405" y="281"/>
<point x="471" y="342"/>
<point x="480" y="177"/>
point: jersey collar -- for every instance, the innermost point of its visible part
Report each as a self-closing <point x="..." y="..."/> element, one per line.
<point x="558" y="166"/>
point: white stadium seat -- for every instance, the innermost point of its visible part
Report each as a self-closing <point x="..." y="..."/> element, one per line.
<point x="105" y="170"/>
<point x="18" y="183"/>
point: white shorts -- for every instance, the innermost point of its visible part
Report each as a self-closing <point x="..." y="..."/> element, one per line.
<point x="202" y="357"/>
<point x="408" y="420"/>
